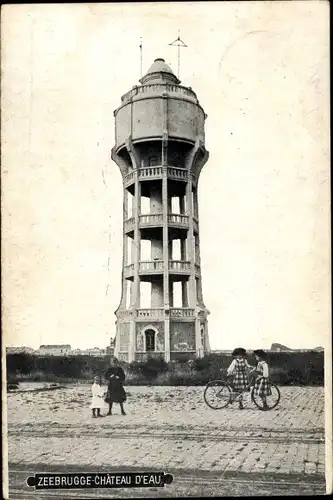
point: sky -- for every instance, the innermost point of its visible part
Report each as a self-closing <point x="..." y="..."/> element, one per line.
<point x="261" y="73"/>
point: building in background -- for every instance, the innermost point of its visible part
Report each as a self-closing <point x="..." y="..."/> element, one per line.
<point x="98" y="352"/>
<point x="160" y="151"/>
<point x="111" y="348"/>
<point x="19" y="350"/>
<point x="54" y="350"/>
<point x="282" y="348"/>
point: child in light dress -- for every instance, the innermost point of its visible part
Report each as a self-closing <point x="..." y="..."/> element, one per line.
<point x="97" y="402"/>
<point x="239" y="369"/>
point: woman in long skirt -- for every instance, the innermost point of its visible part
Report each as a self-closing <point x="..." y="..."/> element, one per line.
<point x="116" y="392"/>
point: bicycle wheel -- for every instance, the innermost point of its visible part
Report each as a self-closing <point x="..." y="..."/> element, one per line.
<point x="217" y="394"/>
<point x="272" y="394"/>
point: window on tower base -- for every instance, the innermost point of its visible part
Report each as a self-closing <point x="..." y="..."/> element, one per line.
<point x="150" y="340"/>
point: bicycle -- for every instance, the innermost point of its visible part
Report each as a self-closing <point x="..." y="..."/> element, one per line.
<point x="219" y="394"/>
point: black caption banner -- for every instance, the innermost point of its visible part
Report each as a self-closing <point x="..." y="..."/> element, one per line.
<point x="99" y="480"/>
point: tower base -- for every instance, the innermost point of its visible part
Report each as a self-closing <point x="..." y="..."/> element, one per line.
<point x="172" y="336"/>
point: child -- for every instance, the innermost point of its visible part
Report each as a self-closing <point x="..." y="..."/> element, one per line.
<point x="261" y="386"/>
<point x="239" y="368"/>
<point x="116" y="392"/>
<point x="97" y="402"/>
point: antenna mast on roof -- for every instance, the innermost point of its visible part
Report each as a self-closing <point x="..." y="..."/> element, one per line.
<point x="178" y="43"/>
<point x="141" y="57"/>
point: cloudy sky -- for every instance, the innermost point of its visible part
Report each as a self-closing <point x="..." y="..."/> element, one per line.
<point x="260" y="70"/>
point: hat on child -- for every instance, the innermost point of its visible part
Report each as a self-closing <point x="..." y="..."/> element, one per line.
<point x="259" y="352"/>
<point x="239" y="351"/>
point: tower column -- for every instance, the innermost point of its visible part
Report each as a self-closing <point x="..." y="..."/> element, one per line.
<point x="133" y="254"/>
<point x="182" y="249"/>
<point x="170" y="294"/>
<point x="137" y="241"/>
<point x="184" y="294"/>
<point x="195" y="204"/>
<point x="191" y="256"/>
<point x="170" y="249"/>
<point x="190" y="244"/>
<point x="198" y="340"/>
<point x="125" y="248"/>
<point x="198" y="262"/>
<point x="166" y="284"/>
<point x="197" y="245"/>
<point x="136" y="284"/>
<point x="182" y="204"/>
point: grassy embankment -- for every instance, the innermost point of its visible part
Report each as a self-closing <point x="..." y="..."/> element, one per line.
<point x="286" y="368"/>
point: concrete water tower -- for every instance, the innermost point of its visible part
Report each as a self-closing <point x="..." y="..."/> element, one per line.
<point x="160" y="151"/>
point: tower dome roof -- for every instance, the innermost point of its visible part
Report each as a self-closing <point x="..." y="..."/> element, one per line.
<point x="159" y="71"/>
<point x="159" y="65"/>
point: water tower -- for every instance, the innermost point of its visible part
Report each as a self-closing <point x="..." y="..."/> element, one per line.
<point x="160" y="151"/>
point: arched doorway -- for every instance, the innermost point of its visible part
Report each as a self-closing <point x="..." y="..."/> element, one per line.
<point x="150" y="340"/>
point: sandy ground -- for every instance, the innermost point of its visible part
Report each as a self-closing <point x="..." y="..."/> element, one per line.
<point x="299" y="406"/>
<point x="172" y="429"/>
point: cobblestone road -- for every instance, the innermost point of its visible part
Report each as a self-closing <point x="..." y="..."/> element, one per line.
<point x="170" y="429"/>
